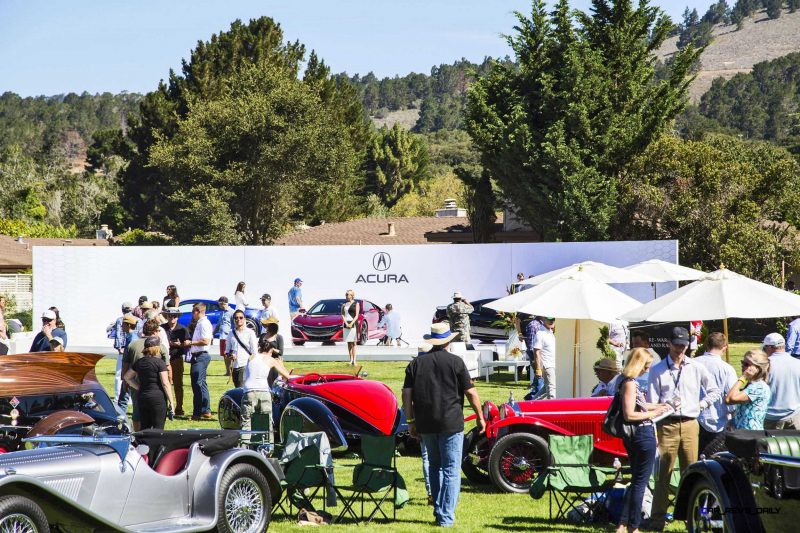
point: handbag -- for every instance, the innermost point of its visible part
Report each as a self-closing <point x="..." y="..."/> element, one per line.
<point x="614" y="423"/>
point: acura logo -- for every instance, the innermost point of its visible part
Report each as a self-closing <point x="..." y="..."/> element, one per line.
<point x="381" y="261"/>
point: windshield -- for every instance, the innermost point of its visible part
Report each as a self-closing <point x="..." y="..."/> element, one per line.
<point x="327" y="307"/>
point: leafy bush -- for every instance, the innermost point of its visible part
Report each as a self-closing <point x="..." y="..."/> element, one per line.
<point x="139" y="237"/>
<point x="17" y="228"/>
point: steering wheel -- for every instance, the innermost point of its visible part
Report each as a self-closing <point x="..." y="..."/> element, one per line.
<point x="314" y="376"/>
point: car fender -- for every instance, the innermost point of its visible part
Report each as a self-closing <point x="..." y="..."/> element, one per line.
<point x="531" y="424"/>
<point x="731" y="485"/>
<point x="60" y="510"/>
<point x="209" y="478"/>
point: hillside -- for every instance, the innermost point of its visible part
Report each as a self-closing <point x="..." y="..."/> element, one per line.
<point x="731" y="52"/>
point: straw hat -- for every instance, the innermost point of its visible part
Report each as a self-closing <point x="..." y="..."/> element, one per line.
<point x="440" y="334"/>
<point x="608" y="364"/>
<point x="270" y="320"/>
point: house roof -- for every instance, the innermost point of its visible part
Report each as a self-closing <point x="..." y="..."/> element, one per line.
<point x="408" y="230"/>
<point x="19" y="256"/>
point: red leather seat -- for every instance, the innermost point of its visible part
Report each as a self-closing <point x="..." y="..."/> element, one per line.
<point x="172" y="462"/>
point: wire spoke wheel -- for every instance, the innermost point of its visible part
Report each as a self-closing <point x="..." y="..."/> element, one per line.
<point x="244" y="506"/>
<point x="519" y="464"/>
<point x="516" y="459"/>
<point x="17" y="523"/>
<point x="706" y="513"/>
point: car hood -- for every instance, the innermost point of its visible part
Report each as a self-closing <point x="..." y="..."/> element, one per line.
<point x="371" y="401"/>
<point x="318" y="320"/>
<point x="57" y="461"/>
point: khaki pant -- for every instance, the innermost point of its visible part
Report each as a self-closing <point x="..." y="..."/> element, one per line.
<point x="676" y="440"/>
<point x="792" y="423"/>
<point x="256" y="402"/>
<point x="177" y="383"/>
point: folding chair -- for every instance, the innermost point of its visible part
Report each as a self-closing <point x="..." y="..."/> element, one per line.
<point x="375" y="479"/>
<point x="304" y="476"/>
<point x="571" y="478"/>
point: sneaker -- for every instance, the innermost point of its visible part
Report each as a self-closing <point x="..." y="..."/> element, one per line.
<point x="430" y="499"/>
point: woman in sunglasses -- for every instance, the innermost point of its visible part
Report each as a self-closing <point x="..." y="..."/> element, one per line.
<point x="751" y="393"/>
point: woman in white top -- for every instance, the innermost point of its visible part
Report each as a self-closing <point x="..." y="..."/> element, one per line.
<point x="257" y="397"/>
<point x="240" y="346"/>
<point x="238" y="296"/>
<point x="350" y="312"/>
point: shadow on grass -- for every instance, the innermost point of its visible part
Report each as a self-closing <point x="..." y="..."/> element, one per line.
<point x="530" y="523"/>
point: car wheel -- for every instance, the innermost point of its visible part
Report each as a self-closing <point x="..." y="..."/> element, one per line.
<point x="23" y="515"/>
<point x="705" y="513"/>
<point x="298" y="343"/>
<point x="243" y="501"/>
<point x="476" y="457"/>
<point x="363" y="333"/>
<point x="516" y="459"/>
<point x="252" y="324"/>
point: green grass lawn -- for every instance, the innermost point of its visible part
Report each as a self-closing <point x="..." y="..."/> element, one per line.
<point x="479" y="507"/>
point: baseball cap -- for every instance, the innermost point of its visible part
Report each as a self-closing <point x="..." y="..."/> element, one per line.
<point x="266" y="296"/>
<point x="774" y="339"/>
<point x="49" y="315"/>
<point x="151" y="342"/>
<point x="298" y="279"/>
<point x="127" y="306"/>
<point x="142" y="299"/>
<point x="680" y="336"/>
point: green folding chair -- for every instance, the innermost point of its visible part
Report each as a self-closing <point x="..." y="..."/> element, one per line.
<point x="304" y="476"/>
<point x="376" y="481"/>
<point x="570" y="477"/>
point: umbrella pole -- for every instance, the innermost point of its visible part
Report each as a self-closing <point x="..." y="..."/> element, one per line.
<point x="725" y="331"/>
<point x="655" y="289"/>
<point x="575" y="358"/>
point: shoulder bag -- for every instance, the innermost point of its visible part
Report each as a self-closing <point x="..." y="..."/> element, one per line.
<point x="241" y="344"/>
<point x="614" y="423"/>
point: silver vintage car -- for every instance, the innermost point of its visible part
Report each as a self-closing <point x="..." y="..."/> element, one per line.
<point x="151" y="481"/>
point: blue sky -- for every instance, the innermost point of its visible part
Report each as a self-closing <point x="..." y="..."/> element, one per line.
<point x="115" y="45"/>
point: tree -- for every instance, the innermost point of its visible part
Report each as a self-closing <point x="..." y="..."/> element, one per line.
<point x="251" y="158"/>
<point x="480" y="201"/>
<point x="397" y="160"/>
<point x="722" y="198"/>
<point x="556" y="131"/>
<point x="205" y="77"/>
<point x="774" y="8"/>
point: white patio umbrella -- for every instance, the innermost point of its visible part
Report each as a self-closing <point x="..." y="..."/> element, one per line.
<point x="599" y="271"/>
<point x="577" y="295"/>
<point x="664" y="271"/>
<point x="718" y="295"/>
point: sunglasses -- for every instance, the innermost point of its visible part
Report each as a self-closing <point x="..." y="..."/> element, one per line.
<point x="746" y="363"/>
<point x="238" y="318"/>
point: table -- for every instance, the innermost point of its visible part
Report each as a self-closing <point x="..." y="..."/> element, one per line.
<point x="516" y="363"/>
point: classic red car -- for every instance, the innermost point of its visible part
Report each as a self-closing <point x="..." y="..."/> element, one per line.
<point x="323" y="322"/>
<point x="514" y="448"/>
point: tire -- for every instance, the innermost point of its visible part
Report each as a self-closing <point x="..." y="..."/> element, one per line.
<point x="515" y="461"/>
<point x="298" y="343"/>
<point x="476" y="450"/>
<point x="363" y="334"/>
<point x="252" y="324"/>
<point x="705" y="512"/>
<point x="18" y="513"/>
<point x="244" y="501"/>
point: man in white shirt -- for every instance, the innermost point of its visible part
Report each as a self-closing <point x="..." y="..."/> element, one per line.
<point x="679" y="381"/>
<point x="544" y="353"/>
<point x="267" y="310"/>
<point x="198" y="347"/>
<point x="714" y="418"/>
<point x="242" y="343"/>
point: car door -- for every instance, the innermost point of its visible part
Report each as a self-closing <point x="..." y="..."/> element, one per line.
<point x="213" y="313"/>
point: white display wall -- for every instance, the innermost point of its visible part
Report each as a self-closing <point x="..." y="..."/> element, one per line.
<point x="89" y="284"/>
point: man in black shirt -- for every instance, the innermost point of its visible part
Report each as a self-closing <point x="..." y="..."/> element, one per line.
<point x="177" y="334"/>
<point x="433" y="400"/>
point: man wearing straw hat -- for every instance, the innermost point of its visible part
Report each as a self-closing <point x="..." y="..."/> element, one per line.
<point x="606" y="369"/>
<point x="433" y="401"/>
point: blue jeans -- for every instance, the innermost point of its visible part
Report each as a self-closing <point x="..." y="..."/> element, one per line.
<point x="642" y="456"/>
<point x="197" y="375"/>
<point x="426" y="464"/>
<point x="444" y="473"/>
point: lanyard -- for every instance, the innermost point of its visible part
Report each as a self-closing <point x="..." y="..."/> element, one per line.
<point x="675" y="380"/>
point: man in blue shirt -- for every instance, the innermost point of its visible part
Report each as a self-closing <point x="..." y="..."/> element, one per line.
<point x="41" y="343"/>
<point x="783" y="411"/>
<point x="713" y="419"/>
<point x="793" y="338"/>
<point x="296" y="298"/>
<point x="224" y="329"/>
<point x="390" y="319"/>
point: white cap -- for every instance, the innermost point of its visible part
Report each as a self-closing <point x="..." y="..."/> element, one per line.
<point x="50" y="315"/>
<point x="457" y="295"/>
<point x="774" y="339"/>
